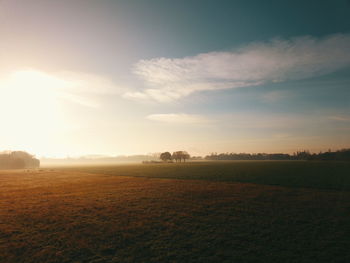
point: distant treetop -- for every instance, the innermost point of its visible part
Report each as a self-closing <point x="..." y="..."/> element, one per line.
<point x="340" y="155"/>
<point x="18" y="160"/>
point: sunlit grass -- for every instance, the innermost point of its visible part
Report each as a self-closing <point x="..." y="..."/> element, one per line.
<point x="63" y="215"/>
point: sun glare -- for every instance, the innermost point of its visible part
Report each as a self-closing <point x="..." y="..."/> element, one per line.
<point x="30" y="109"/>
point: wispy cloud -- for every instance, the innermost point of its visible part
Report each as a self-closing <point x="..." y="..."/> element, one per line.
<point x="254" y="120"/>
<point x="243" y="120"/>
<point x="278" y="60"/>
<point x="178" y="118"/>
<point x="79" y="88"/>
<point x="83" y="88"/>
<point x="89" y="83"/>
<point x="340" y="118"/>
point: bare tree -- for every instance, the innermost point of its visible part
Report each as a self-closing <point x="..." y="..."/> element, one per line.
<point x="177" y="156"/>
<point x="185" y="156"/>
<point x="180" y="155"/>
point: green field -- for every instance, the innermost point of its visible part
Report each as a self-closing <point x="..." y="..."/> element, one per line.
<point x="317" y="174"/>
<point x="194" y="212"/>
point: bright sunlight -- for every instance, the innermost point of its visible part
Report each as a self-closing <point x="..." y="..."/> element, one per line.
<point x="30" y="109"/>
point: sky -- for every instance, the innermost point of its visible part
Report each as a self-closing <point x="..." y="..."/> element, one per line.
<point x="127" y="77"/>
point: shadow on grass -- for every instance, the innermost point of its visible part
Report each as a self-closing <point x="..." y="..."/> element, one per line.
<point x="308" y="174"/>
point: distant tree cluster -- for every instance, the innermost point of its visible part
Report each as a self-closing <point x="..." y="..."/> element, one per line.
<point x="18" y="160"/>
<point x="178" y="156"/>
<point x="341" y="155"/>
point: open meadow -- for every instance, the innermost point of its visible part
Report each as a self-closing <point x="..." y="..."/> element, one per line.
<point x="248" y="211"/>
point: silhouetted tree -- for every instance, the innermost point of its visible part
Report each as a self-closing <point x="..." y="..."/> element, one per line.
<point x="18" y="160"/>
<point x="165" y="156"/>
<point x="185" y="156"/>
<point x="177" y="156"/>
<point x="180" y="155"/>
<point x="341" y="155"/>
<point x="18" y="163"/>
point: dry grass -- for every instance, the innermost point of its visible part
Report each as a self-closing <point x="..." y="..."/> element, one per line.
<point x="65" y="216"/>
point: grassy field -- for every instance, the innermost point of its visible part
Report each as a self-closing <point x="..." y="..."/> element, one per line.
<point x="222" y="212"/>
<point x="317" y="174"/>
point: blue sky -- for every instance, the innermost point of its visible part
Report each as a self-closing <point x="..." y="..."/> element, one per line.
<point x="133" y="77"/>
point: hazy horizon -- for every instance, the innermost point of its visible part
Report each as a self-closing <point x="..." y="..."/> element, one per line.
<point x="135" y="77"/>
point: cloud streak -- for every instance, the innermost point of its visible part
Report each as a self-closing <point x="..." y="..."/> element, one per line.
<point x="278" y="60"/>
<point x="339" y="118"/>
<point x="178" y="118"/>
<point x="79" y="88"/>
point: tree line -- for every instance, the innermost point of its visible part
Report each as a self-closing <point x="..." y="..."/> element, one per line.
<point x="177" y="156"/>
<point x="340" y="155"/>
<point x="18" y="160"/>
